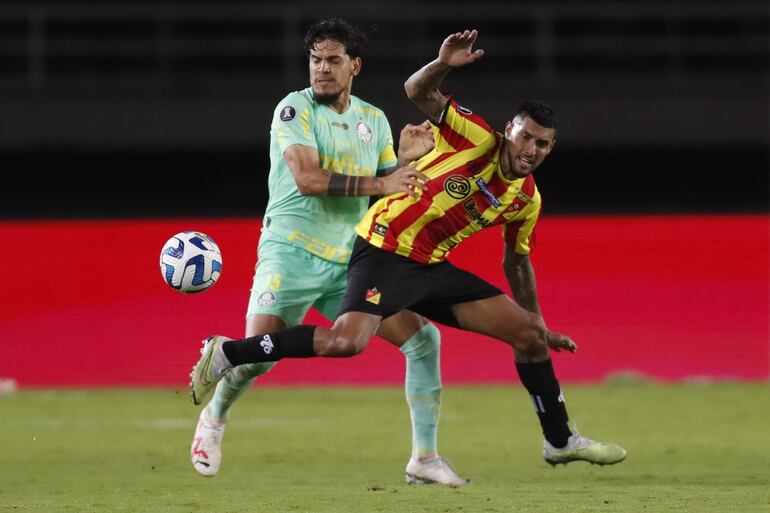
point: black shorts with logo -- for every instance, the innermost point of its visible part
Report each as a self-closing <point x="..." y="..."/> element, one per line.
<point x="384" y="283"/>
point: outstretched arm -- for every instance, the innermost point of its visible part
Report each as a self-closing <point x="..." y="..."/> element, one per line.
<point x="521" y="277"/>
<point x="423" y="86"/>
<point x="313" y="180"/>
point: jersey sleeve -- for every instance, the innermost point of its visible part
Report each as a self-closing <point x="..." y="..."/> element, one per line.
<point x="459" y="128"/>
<point x="387" y="155"/>
<point x="520" y="235"/>
<point x="293" y="121"/>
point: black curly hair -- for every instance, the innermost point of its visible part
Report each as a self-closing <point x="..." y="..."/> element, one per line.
<point x="336" y="29"/>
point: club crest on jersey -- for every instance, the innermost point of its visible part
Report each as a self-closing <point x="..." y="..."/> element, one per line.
<point x="516" y="205"/>
<point x="457" y="186"/>
<point x="288" y="113"/>
<point x="521" y="201"/>
<point x="364" y="132"/>
<point x="266" y="299"/>
<point x="373" y="296"/>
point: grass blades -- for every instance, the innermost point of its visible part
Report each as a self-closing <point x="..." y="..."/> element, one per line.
<point x="698" y="447"/>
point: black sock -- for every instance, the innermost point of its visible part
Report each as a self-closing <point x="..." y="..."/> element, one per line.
<point x="541" y="383"/>
<point x="296" y="342"/>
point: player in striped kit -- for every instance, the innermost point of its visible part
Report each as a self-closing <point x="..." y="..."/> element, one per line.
<point x="477" y="178"/>
<point x="330" y="151"/>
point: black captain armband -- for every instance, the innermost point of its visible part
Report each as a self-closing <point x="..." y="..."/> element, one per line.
<point x="344" y="185"/>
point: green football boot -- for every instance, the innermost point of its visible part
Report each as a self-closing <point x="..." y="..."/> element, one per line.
<point x="583" y="449"/>
<point x="212" y="366"/>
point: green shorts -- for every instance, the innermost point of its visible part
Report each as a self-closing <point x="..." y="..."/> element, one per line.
<point x="289" y="280"/>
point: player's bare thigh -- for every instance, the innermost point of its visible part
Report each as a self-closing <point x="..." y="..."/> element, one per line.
<point x="500" y="317"/>
<point x="259" y="324"/>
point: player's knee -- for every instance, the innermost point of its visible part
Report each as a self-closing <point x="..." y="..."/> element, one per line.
<point x="533" y="343"/>
<point x="341" y="345"/>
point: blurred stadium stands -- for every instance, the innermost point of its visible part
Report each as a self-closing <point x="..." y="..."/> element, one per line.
<point x="134" y="108"/>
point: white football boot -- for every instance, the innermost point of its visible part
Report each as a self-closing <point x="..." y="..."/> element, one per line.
<point x="206" y="448"/>
<point x="438" y="470"/>
<point x="583" y="449"/>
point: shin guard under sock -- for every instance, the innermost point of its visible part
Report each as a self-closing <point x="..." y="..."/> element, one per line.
<point x="540" y="381"/>
<point x="296" y="342"/>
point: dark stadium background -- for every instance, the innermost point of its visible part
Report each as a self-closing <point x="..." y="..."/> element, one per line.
<point x="160" y="110"/>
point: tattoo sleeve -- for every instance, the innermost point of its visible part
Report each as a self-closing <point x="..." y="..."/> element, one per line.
<point x="521" y="278"/>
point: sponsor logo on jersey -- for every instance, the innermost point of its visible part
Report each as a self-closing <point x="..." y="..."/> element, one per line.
<point x="288" y="113"/>
<point x="267" y="344"/>
<point x="266" y="299"/>
<point x="457" y="186"/>
<point x="364" y="132"/>
<point x="320" y="248"/>
<point x="474" y="214"/>
<point x="373" y="296"/>
<point x="343" y="126"/>
<point x="485" y="190"/>
<point x="380" y="229"/>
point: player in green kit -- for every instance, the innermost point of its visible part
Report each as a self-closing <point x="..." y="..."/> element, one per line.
<point x="330" y="151"/>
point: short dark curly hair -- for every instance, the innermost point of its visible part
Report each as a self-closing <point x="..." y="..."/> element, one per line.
<point x="540" y="112"/>
<point x="336" y="29"/>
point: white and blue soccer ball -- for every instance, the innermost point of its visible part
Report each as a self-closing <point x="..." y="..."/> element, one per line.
<point x="190" y="262"/>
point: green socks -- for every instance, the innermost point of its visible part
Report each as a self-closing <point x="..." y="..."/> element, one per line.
<point x="423" y="388"/>
<point x="232" y="386"/>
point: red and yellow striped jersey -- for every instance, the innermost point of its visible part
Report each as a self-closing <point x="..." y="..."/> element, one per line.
<point x="467" y="192"/>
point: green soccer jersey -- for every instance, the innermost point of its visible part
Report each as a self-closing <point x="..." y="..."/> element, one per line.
<point x="357" y="142"/>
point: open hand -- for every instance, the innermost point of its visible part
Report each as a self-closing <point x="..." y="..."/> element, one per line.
<point x="457" y="49"/>
<point x="404" y="179"/>
<point x="415" y="141"/>
<point x="557" y="342"/>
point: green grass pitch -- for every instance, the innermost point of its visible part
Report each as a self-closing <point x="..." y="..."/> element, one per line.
<point x="699" y="448"/>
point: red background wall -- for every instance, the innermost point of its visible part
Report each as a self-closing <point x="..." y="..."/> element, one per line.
<point x="672" y="297"/>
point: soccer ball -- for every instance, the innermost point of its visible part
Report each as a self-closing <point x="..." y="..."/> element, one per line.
<point x="190" y="262"/>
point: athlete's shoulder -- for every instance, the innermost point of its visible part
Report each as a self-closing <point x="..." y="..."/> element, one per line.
<point x="365" y="108"/>
<point x="293" y="103"/>
<point x="453" y="112"/>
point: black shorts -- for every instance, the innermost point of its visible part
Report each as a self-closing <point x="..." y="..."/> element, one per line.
<point x="384" y="283"/>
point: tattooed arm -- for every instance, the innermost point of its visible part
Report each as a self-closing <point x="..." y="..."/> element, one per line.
<point x="423" y="86"/>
